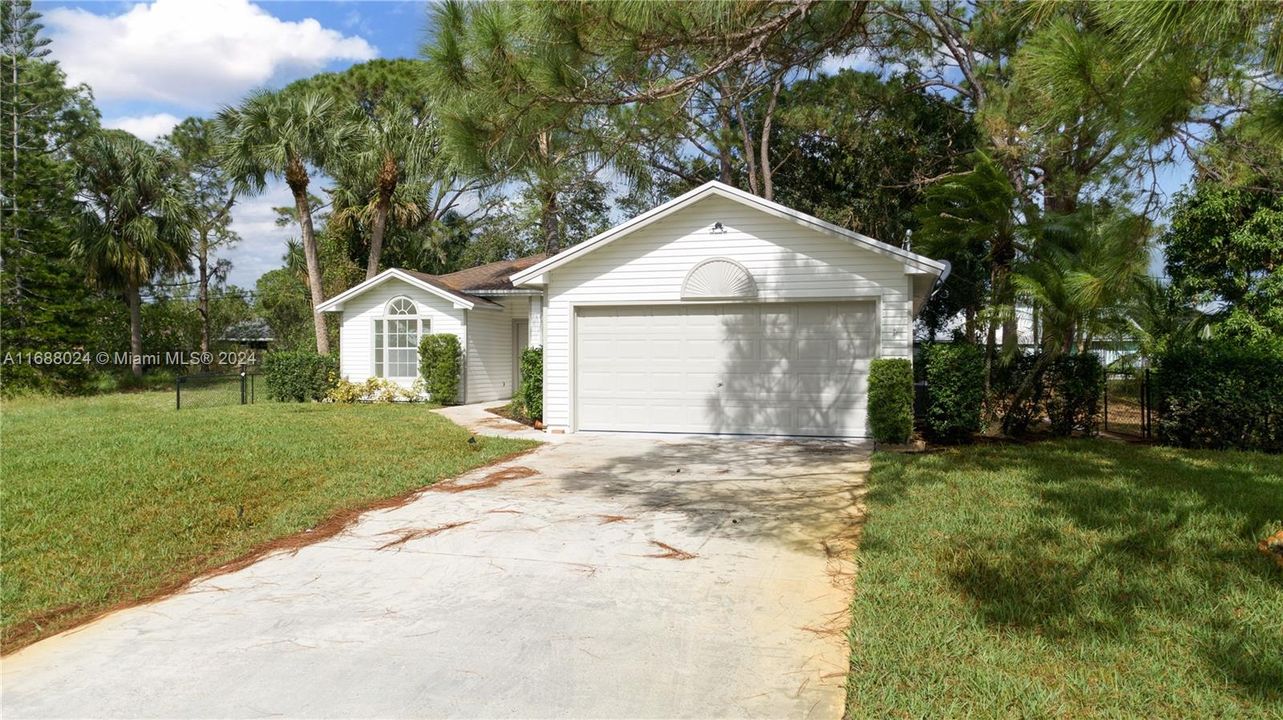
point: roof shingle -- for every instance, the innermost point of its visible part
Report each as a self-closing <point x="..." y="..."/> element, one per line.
<point x="482" y="278"/>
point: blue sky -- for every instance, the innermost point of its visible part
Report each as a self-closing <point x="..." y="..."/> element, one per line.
<point x="153" y="63"/>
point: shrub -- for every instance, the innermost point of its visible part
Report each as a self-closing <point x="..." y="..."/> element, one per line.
<point x="1220" y="394"/>
<point x="299" y="375"/>
<point x="891" y="399"/>
<point x="1005" y="380"/>
<point x="530" y="394"/>
<point x="1066" y="391"/>
<point x="955" y="375"/>
<point x="374" y="390"/>
<point x="1072" y="388"/>
<point x="440" y="365"/>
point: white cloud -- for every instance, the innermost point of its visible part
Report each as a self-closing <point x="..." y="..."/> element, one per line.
<point x="262" y="243"/>
<point x="147" y="127"/>
<point x="862" y="60"/>
<point x="192" y="54"/>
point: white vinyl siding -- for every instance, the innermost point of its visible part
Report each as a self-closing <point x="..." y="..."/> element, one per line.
<point x="357" y="345"/>
<point x="488" y="356"/>
<point x="787" y="261"/>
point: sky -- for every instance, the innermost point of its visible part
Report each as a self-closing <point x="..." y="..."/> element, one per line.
<point x="153" y="63"/>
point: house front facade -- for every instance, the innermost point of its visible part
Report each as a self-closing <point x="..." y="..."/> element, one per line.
<point x="718" y="312"/>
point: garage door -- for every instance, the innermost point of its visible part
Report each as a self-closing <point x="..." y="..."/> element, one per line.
<point x="766" y="368"/>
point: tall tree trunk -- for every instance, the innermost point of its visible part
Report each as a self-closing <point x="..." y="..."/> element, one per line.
<point x="132" y="296"/>
<point x="387" y="187"/>
<point x="202" y="296"/>
<point x="749" y="154"/>
<point x="376" y="235"/>
<point x="296" y="178"/>
<point x="550" y="223"/>
<point x="768" y="185"/>
<point x="990" y="352"/>
<point x="725" y="168"/>
<point x="1004" y="256"/>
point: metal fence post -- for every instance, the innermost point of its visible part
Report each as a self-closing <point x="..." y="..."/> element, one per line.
<point x="178" y="394"/>
<point x="1144" y="405"/>
<point x="1106" y="389"/>
<point x="244" y="395"/>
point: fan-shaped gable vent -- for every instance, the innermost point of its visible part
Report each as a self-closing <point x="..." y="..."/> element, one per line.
<point x="718" y="279"/>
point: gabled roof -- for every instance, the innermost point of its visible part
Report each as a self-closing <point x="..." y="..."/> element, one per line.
<point x="428" y="283"/>
<point x="914" y="262"/>
<point x="252" y="330"/>
<point x="491" y="277"/>
<point x="464" y="288"/>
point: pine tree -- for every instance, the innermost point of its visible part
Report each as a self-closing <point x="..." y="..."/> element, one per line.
<point x="45" y="303"/>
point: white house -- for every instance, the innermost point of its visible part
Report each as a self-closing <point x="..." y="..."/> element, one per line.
<point x="716" y="312"/>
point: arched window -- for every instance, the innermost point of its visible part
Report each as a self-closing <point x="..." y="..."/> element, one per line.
<point x="396" y="339"/>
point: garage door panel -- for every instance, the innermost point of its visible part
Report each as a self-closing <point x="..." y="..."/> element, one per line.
<point x="774" y="368"/>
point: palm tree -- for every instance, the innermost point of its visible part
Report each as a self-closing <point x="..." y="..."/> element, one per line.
<point x="1157" y="316"/>
<point x="135" y="222"/>
<point x="1082" y="274"/>
<point x="1080" y="278"/>
<point x="974" y="219"/>
<point x="393" y="145"/>
<point x="284" y="134"/>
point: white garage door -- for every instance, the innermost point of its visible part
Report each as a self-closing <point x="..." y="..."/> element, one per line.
<point x="764" y="368"/>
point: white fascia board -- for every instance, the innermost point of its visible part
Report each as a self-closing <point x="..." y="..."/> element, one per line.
<point x="335" y="304"/>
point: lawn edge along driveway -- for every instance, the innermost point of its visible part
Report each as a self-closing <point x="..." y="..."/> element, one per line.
<point x="117" y="500"/>
<point x="1083" y="578"/>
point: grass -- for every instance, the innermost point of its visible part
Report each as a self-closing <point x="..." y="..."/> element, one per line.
<point x="111" y="499"/>
<point x="1069" y="579"/>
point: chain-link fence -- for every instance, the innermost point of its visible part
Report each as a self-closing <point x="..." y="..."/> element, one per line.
<point x="214" y="389"/>
<point x="1128" y="403"/>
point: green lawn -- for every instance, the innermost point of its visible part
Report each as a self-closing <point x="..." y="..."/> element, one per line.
<point x="1069" y="579"/>
<point x="110" y="499"/>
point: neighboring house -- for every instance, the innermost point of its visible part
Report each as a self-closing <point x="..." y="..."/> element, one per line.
<point x="254" y="334"/>
<point x="1114" y="352"/>
<point x="716" y="312"/>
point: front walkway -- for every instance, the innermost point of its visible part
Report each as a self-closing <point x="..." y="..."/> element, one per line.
<point x="600" y="576"/>
<point x="479" y="421"/>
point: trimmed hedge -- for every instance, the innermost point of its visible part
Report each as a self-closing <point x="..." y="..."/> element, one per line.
<point x="299" y="375"/>
<point x="891" y="399"/>
<point x="1066" y="391"/>
<point x="440" y="367"/>
<point x="1220" y="394"/>
<point x="1005" y="380"/>
<point x="530" y="394"/>
<point x="955" y="375"/>
<point x="1074" y="385"/>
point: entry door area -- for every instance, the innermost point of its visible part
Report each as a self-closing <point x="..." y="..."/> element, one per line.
<point x="520" y="341"/>
<point x="757" y="369"/>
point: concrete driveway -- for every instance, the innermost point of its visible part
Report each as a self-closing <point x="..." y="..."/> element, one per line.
<point x="599" y="576"/>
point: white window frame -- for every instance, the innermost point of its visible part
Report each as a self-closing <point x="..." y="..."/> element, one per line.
<point x="380" y="349"/>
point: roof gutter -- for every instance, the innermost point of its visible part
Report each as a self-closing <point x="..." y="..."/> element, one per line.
<point x="939" y="283"/>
